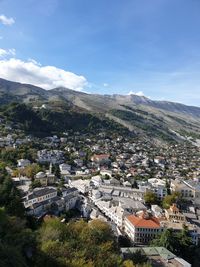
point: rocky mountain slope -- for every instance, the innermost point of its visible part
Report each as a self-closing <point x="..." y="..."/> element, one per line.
<point x="155" y="119"/>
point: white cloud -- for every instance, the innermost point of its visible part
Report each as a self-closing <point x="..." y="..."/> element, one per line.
<point x="34" y="61"/>
<point x="2" y="52"/>
<point x="8" y="52"/>
<point x="47" y="77"/>
<point x="6" y="21"/>
<point x="140" y="93"/>
<point x="105" y="84"/>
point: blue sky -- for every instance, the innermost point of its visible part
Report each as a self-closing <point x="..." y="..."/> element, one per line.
<point x="115" y="46"/>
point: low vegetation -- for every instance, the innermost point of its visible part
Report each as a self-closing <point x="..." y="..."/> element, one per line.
<point x="151" y="126"/>
<point x="44" y="122"/>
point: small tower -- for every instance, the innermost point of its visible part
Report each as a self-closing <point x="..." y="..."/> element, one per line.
<point x="50" y="168"/>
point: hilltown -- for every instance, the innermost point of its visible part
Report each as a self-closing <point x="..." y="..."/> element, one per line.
<point x="139" y="187"/>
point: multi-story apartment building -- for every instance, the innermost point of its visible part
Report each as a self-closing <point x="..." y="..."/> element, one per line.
<point x="142" y="228"/>
<point x="189" y="190"/>
<point x="39" y="195"/>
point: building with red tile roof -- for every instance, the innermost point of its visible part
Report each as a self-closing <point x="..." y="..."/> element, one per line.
<point x="100" y="157"/>
<point x="142" y="228"/>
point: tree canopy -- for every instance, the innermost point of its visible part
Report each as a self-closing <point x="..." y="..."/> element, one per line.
<point x="151" y="198"/>
<point x="79" y="243"/>
<point x="170" y="199"/>
<point x="180" y="243"/>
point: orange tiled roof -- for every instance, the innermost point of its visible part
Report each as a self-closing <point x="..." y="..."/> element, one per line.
<point x="151" y="222"/>
<point x="101" y="156"/>
<point x="174" y="208"/>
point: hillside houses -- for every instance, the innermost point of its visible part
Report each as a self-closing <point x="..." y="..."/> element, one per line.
<point x="45" y="178"/>
<point x="189" y="190"/>
<point x="157" y="256"/>
<point x="50" y="156"/>
<point x="43" y="200"/>
<point x="23" y="163"/>
<point x="65" y="169"/>
<point x="122" y="191"/>
<point x="156" y="185"/>
<point x="101" y="158"/>
<point x="107" y="177"/>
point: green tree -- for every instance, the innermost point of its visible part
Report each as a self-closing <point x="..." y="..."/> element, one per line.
<point x="128" y="263"/>
<point x="150" y="198"/>
<point x="185" y="246"/>
<point x="31" y="170"/>
<point x="11" y="257"/>
<point x="170" y="199"/>
<point x="15" y="241"/>
<point x="79" y="242"/>
<point x="167" y="240"/>
<point x="10" y="197"/>
<point x="179" y="243"/>
<point x="138" y="258"/>
<point x="35" y="183"/>
<point x="135" y="184"/>
<point x="167" y="185"/>
<point x="56" y="171"/>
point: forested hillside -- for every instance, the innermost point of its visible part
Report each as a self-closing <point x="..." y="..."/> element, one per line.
<point x="44" y="122"/>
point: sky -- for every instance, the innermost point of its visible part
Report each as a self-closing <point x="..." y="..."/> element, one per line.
<point x="144" y="47"/>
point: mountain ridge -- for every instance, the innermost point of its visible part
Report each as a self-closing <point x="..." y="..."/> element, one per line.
<point x="137" y="113"/>
<point x="64" y="89"/>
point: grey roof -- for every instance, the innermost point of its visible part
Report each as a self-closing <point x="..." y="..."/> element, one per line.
<point x="70" y="189"/>
<point x="190" y="215"/>
<point x="41" y="192"/>
<point x="193" y="184"/>
<point x="131" y="203"/>
<point x="115" y="193"/>
<point x="151" y="251"/>
<point x="68" y="198"/>
<point x="47" y="201"/>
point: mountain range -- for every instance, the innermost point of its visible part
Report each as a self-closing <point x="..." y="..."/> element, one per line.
<point x="157" y="119"/>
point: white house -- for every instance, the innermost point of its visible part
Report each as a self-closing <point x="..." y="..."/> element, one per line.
<point x="83" y="186"/>
<point x="142" y="228"/>
<point x="23" y="163"/>
<point x="96" y="180"/>
<point x="52" y="156"/>
<point x="65" y="169"/>
<point x="39" y="195"/>
<point x="71" y="196"/>
<point x="158" y="186"/>
<point x="157" y="211"/>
